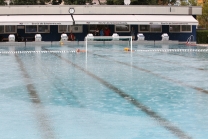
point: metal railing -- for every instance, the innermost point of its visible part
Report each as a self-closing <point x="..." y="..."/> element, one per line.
<point x="190" y="40"/>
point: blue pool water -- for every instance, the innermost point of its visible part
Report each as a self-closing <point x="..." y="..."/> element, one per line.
<point x="106" y="94"/>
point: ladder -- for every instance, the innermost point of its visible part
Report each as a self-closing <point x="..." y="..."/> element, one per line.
<point x="190" y="40"/>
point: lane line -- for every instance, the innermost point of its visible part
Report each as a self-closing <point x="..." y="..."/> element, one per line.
<point x="42" y="118"/>
<point x="64" y="87"/>
<point x="162" y="121"/>
<point x="175" y="63"/>
<point x="158" y="75"/>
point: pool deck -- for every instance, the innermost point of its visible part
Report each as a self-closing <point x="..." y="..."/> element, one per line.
<point x="92" y="42"/>
<point x="203" y="45"/>
<point x="116" y="42"/>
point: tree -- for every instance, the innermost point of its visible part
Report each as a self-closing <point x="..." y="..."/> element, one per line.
<point x="139" y="2"/>
<point x="203" y="19"/>
<point x="23" y="2"/>
<point x="192" y="2"/>
<point x="189" y="3"/>
<point x="77" y="2"/>
<point x="134" y="2"/>
<point x="184" y="3"/>
<point x="115" y="2"/>
<point x="28" y="2"/>
<point x="118" y="2"/>
<point x="56" y="2"/>
<point x="2" y="2"/>
<point x="42" y="2"/>
<point x="152" y="2"/>
<point x="109" y="2"/>
<point x="166" y="2"/>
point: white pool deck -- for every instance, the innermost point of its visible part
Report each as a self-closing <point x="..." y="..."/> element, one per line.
<point x="97" y="42"/>
<point x="92" y="42"/>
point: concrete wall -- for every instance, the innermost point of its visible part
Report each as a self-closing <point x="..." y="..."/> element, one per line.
<point x="101" y="9"/>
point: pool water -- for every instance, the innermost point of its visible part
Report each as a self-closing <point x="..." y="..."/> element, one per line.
<point x="106" y="93"/>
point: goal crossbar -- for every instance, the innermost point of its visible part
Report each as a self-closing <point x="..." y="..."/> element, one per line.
<point x="112" y="38"/>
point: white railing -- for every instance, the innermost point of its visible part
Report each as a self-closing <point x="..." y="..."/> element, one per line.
<point x="190" y="39"/>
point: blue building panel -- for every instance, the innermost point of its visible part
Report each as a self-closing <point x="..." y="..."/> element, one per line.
<point x="54" y="35"/>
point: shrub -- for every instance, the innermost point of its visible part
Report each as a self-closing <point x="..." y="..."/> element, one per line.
<point x="202" y="36"/>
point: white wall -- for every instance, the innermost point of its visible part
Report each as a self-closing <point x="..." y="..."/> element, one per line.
<point x="100" y="9"/>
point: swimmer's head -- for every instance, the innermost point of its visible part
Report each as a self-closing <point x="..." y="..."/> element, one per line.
<point x="78" y="50"/>
<point x="126" y="49"/>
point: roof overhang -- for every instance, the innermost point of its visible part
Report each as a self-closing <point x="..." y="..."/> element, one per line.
<point x="136" y="19"/>
<point x="105" y="19"/>
<point x="99" y="19"/>
<point x="166" y="19"/>
<point x="36" y="20"/>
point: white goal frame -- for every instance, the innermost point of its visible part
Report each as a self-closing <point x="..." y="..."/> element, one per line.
<point x="91" y="38"/>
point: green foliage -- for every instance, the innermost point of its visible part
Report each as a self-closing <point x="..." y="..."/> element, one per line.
<point x="150" y="2"/>
<point x="76" y="2"/>
<point x="80" y="2"/>
<point x="23" y="2"/>
<point x="184" y="3"/>
<point x="202" y="36"/>
<point x="193" y="2"/>
<point x="203" y="19"/>
<point x="118" y="2"/>
<point x="189" y="3"/>
<point x="109" y="2"/>
<point x="173" y="1"/>
<point x="166" y="2"/>
<point x="42" y="2"/>
<point x="134" y="2"/>
<point x="153" y="2"/>
<point x="88" y="1"/>
<point x="139" y="2"/>
<point x="33" y="2"/>
<point x="56" y="2"/>
<point x="115" y="2"/>
<point x="68" y="2"/>
<point x="2" y="2"/>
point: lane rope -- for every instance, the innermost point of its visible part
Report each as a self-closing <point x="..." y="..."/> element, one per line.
<point x="18" y="52"/>
<point x="67" y="51"/>
<point x="173" y="50"/>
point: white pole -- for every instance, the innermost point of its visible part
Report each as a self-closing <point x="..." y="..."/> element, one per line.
<point x="86" y="52"/>
<point x="86" y="43"/>
<point x="131" y="43"/>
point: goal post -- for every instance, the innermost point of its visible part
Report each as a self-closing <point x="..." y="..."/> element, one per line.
<point x="108" y="38"/>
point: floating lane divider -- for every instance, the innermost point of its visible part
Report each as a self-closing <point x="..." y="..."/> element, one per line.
<point x="67" y="51"/>
<point x="174" y="50"/>
<point x="18" y="52"/>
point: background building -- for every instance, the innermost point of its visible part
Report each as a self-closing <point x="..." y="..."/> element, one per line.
<point x="51" y="21"/>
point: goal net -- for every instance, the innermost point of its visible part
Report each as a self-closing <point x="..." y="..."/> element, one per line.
<point x="111" y="39"/>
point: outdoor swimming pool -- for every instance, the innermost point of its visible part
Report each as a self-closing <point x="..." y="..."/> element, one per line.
<point x="155" y="92"/>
